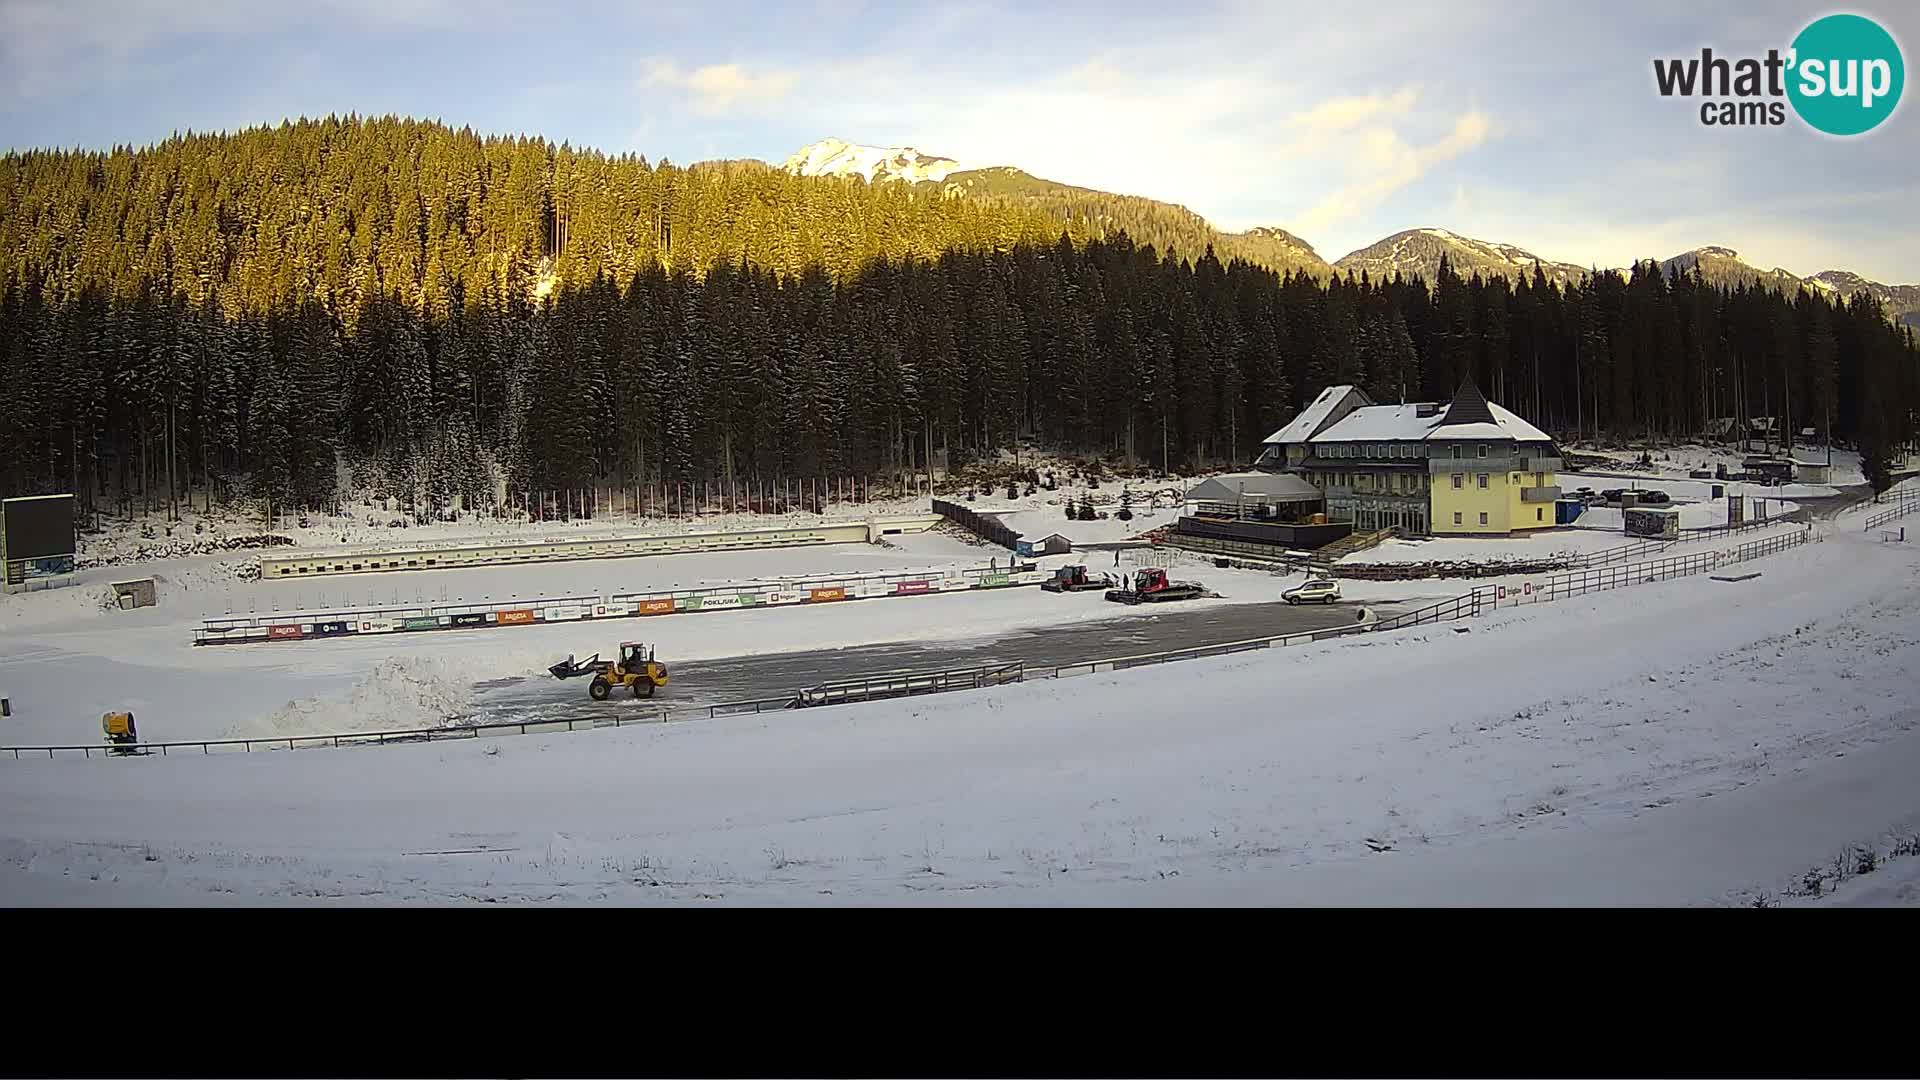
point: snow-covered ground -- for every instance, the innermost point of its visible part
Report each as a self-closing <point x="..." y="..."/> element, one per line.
<point x="1512" y="763"/>
<point x="1549" y="544"/>
<point x="1695" y="490"/>
<point x="144" y="661"/>
<point x="120" y="541"/>
<point x="1611" y="520"/>
<point x="1598" y="528"/>
<point x="1895" y="883"/>
<point x="1677" y="461"/>
<point x="67" y="655"/>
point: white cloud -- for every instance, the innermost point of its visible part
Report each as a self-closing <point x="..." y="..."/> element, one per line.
<point x="1342" y="114"/>
<point x="1390" y="163"/>
<point x="719" y="88"/>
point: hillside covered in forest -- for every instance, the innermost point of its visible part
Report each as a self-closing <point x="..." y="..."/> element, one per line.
<point x="431" y="307"/>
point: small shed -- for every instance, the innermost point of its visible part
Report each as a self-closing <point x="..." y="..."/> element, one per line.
<point x="1053" y="544"/>
<point x="1662" y="523"/>
<point x="1566" y="511"/>
<point x="1813" y="472"/>
<point x="1768" y="470"/>
<point x="133" y="594"/>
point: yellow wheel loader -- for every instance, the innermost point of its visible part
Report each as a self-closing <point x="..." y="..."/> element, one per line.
<point x="636" y="669"/>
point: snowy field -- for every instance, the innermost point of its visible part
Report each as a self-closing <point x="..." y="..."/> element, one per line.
<point x="1749" y="730"/>
<point x="375" y="527"/>
<point x="1700" y="491"/>
<point x="1678" y="461"/>
<point x="66" y="655"/>
<point x="144" y="660"/>
<point x="1549" y="544"/>
<point x="1598" y="528"/>
<point x="1699" y="515"/>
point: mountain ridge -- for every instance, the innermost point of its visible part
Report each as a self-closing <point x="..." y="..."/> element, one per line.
<point x="1409" y="252"/>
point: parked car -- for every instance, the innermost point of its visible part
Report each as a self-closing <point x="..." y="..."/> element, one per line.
<point x="1612" y="495"/>
<point x="1313" y="591"/>
<point x="1656" y="498"/>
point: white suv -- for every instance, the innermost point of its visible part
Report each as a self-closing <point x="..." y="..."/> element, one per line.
<point x="1313" y="590"/>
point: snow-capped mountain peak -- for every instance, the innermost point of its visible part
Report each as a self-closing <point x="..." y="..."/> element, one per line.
<point x="837" y="157"/>
<point x="1418" y="251"/>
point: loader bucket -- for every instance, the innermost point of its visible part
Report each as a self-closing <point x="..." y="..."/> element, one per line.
<point x="567" y="669"/>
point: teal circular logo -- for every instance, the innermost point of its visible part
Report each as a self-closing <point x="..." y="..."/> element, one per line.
<point x="1845" y="74"/>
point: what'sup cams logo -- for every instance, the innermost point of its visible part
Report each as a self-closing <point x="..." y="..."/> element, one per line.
<point x="1843" y="75"/>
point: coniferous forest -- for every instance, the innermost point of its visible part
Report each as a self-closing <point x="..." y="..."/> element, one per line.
<point x="249" y="313"/>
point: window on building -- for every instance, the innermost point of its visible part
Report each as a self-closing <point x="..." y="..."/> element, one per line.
<point x="1483" y="479"/>
<point x="1483" y="449"/>
<point x="1456" y="479"/>
<point x="1454" y="451"/>
<point x="1456" y="517"/>
<point x="1483" y="517"/>
<point x="1539" y="513"/>
<point x="1516" y="478"/>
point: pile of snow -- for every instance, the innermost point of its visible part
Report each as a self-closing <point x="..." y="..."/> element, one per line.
<point x="400" y="693"/>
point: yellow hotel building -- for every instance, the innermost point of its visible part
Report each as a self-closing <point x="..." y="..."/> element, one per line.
<point x="1468" y="467"/>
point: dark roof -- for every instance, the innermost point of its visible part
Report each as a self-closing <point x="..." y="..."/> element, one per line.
<point x="1469" y="406"/>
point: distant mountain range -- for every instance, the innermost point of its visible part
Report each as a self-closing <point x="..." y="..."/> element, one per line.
<point x="1412" y="252"/>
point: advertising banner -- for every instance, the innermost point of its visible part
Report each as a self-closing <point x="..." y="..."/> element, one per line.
<point x="509" y="618"/>
<point x="283" y="631"/>
<point x="420" y="622"/>
<point x="20" y="571"/>
<point x="834" y="593"/>
<point x="470" y="618"/>
<point x="657" y="607"/>
<point x="908" y="588"/>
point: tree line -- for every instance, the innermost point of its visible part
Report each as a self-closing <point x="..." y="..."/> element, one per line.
<point x="262" y="312"/>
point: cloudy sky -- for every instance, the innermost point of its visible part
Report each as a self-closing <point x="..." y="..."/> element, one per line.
<point x="1530" y="123"/>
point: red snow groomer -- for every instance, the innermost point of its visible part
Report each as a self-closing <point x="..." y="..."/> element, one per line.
<point x="1150" y="585"/>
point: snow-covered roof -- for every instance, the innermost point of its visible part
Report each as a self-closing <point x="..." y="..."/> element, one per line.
<point x="1388" y="423"/>
<point x="1505" y="425"/>
<point x="1471" y="431"/>
<point x="1381" y="423"/>
<point x="1261" y="486"/>
<point x="1517" y="428"/>
<point x="1303" y="426"/>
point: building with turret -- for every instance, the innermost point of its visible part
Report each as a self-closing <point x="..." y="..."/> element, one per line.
<point x="1466" y="467"/>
